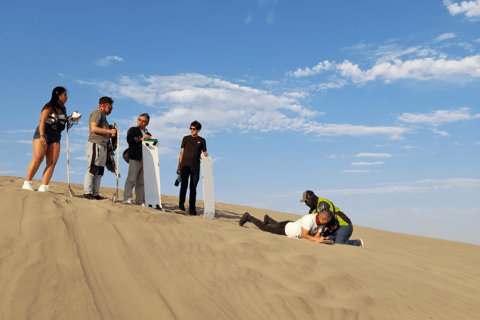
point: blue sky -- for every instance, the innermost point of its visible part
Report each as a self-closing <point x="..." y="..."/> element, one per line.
<point x="373" y="105"/>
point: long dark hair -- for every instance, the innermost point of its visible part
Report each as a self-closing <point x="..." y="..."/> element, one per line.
<point x="56" y="92"/>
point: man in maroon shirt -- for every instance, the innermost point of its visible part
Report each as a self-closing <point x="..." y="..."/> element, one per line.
<point x="189" y="166"/>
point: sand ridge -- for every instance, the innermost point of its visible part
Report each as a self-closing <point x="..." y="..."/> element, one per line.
<point x="70" y="258"/>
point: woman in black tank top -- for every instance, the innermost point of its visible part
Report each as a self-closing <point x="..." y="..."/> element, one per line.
<point x="46" y="140"/>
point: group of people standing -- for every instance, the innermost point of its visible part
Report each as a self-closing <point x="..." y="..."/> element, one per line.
<point x="46" y="144"/>
<point x="324" y="223"/>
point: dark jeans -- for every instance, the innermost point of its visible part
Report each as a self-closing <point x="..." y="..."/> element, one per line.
<point x="272" y="226"/>
<point x="194" y="175"/>
<point x="342" y="234"/>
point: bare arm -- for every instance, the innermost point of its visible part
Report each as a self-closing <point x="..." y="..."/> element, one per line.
<point x="180" y="159"/>
<point x="41" y="126"/>
<point x="96" y="129"/>
<point x="316" y="238"/>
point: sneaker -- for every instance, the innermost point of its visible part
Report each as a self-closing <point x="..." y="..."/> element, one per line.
<point x="88" y="196"/>
<point x="43" y="188"/>
<point x="244" y="219"/>
<point x="266" y="219"/>
<point x="27" y="185"/>
<point x="360" y="241"/>
<point x="99" y="197"/>
<point x="127" y="201"/>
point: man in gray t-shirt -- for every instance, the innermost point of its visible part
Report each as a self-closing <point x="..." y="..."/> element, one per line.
<point x="99" y="134"/>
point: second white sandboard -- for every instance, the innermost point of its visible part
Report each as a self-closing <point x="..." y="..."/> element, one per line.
<point x="151" y="174"/>
<point x="207" y="186"/>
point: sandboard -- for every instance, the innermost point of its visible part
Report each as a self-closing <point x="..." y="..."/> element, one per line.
<point x="207" y="186"/>
<point x="117" y="135"/>
<point x="151" y="174"/>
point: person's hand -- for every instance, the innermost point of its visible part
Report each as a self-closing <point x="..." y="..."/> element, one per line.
<point x="112" y="132"/>
<point x="178" y="170"/>
<point x="146" y="137"/>
<point x="43" y="141"/>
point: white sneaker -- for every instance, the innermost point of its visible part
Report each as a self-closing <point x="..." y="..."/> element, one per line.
<point x="27" y="185"/>
<point x="127" y="201"/>
<point x="43" y="188"/>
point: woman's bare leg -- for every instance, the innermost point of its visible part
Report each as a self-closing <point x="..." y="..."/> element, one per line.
<point x="38" y="155"/>
<point x="52" y="154"/>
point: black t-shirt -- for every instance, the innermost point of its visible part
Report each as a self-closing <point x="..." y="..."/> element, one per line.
<point x="193" y="147"/>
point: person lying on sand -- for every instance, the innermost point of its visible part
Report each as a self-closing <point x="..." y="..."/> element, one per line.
<point x="340" y="228"/>
<point x="308" y="227"/>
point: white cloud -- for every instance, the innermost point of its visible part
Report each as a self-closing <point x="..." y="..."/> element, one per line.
<point x="356" y="171"/>
<point x="438" y="117"/>
<point x="409" y="147"/>
<point x="466" y="46"/>
<point x="20" y="131"/>
<point x="442" y="133"/>
<point x="393" y="133"/>
<point x="478" y="40"/>
<point x="326" y="65"/>
<point x="248" y="19"/>
<point x="222" y="105"/>
<point x="374" y="155"/>
<point x="106" y="61"/>
<point x="389" y="70"/>
<point x="270" y="17"/>
<point x="366" y="163"/>
<point x="330" y="85"/>
<point x="262" y="3"/>
<point x="470" y="8"/>
<point x="270" y="82"/>
<point x="477" y="143"/>
<point x="25" y="141"/>
<point x="445" y="36"/>
<point x="418" y="69"/>
<point x="61" y="75"/>
<point x="378" y="146"/>
<point x="411" y="187"/>
<point x="298" y="95"/>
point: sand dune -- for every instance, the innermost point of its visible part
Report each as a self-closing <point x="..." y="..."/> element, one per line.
<point x="70" y="258"/>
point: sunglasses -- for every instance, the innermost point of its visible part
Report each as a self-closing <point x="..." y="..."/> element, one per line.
<point x="193" y="129"/>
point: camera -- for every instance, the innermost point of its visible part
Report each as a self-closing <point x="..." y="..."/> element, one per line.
<point x="178" y="180"/>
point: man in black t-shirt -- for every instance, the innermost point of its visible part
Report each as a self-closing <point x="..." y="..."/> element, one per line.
<point x="189" y="166"/>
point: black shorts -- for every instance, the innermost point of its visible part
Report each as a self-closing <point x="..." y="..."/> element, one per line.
<point x="52" y="138"/>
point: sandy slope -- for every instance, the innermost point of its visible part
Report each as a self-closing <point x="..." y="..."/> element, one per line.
<point x="70" y="258"/>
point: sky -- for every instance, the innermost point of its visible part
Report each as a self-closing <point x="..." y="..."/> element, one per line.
<point x="373" y="105"/>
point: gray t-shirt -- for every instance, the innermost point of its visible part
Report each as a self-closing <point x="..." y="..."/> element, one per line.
<point x="100" y="119"/>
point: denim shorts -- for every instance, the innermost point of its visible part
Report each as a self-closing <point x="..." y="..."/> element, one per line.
<point x="50" y="139"/>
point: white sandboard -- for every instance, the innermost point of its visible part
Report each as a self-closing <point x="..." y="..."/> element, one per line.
<point x="207" y="186"/>
<point x="151" y="174"/>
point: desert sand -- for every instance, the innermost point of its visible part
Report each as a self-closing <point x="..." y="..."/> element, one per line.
<point x="70" y="258"/>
